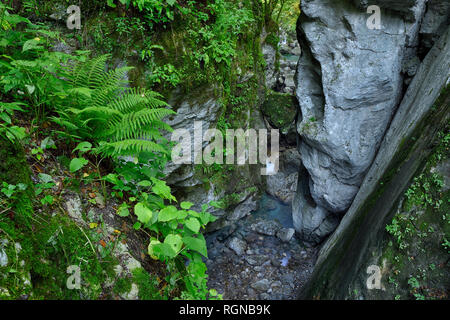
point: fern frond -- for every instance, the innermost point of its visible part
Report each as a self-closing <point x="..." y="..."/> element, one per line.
<point x="125" y="132"/>
<point x="131" y="146"/>
<point x="127" y="120"/>
<point x="89" y="74"/>
<point x="142" y="118"/>
<point x="104" y="111"/>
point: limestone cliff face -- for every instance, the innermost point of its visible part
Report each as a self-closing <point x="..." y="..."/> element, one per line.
<point x="401" y="154"/>
<point x="350" y="80"/>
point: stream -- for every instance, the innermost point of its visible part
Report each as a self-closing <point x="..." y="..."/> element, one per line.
<point x="248" y="260"/>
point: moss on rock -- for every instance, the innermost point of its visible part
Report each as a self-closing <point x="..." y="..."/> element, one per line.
<point x="280" y="109"/>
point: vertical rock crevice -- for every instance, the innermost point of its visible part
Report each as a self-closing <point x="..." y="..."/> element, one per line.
<point x="350" y="80"/>
<point x="405" y="147"/>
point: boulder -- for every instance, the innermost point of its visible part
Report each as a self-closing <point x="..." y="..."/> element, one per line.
<point x="312" y="222"/>
<point x="237" y="245"/>
<point x="261" y="285"/>
<point x="285" y="234"/>
<point x="280" y="110"/>
<point x="266" y="227"/>
<point x="243" y="209"/>
<point x="283" y="185"/>
<point x="199" y="105"/>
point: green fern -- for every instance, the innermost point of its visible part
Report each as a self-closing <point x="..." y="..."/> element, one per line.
<point x="125" y="121"/>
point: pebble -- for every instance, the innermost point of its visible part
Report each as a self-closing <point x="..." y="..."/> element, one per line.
<point x="264" y="296"/>
<point x="261" y="285"/>
<point x="285" y="235"/>
<point x="237" y="245"/>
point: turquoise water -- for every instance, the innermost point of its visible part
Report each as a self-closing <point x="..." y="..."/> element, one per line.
<point x="290" y="57"/>
<point x="272" y="209"/>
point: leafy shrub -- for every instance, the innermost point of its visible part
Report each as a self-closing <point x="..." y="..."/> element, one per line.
<point x="27" y="67"/>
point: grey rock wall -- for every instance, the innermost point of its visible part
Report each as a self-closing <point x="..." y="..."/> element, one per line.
<point x="349" y="82"/>
<point x="405" y="147"/>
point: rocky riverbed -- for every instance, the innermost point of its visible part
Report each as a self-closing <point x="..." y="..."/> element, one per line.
<point x="259" y="257"/>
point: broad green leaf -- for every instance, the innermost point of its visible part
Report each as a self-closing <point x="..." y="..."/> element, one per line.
<point x="167" y="214"/>
<point x="111" y="178"/>
<point x="194" y="213"/>
<point x="163" y="250"/>
<point x="161" y="189"/>
<point x="83" y="147"/>
<point x="151" y="248"/>
<point x="186" y="205"/>
<point x="196" y="244"/>
<point x="206" y="217"/>
<point x="77" y="163"/>
<point x="193" y="224"/>
<point x="48" y="199"/>
<point x="110" y="3"/>
<point x="137" y="225"/>
<point x="181" y="214"/>
<point x="143" y="213"/>
<point x="174" y="241"/>
<point x="144" y="183"/>
<point x="123" y="210"/>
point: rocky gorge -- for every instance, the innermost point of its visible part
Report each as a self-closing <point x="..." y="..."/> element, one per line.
<point x="356" y="90"/>
<point x="363" y="179"/>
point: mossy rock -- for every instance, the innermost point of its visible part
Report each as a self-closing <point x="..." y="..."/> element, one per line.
<point x="14" y="169"/>
<point x="280" y="110"/>
<point x="13" y="166"/>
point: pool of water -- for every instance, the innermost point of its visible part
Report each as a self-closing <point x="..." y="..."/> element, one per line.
<point x="290" y="57"/>
<point x="272" y="209"/>
<point x="240" y="257"/>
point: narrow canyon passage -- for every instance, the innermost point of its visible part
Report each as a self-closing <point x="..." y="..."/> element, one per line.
<point x="257" y="257"/>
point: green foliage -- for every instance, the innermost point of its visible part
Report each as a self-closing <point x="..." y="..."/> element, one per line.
<point x="215" y="43"/>
<point x="98" y="108"/>
<point x="420" y="193"/>
<point x="7" y="128"/>
<point x="176" y="232"/>
<point x="124" y="121"/>
<point x="27" y="67"/>
<point x="155" y="11"/>
<point x="48" y="251"/>
<point x="286" y="13"/>
<point x="420" y="230"/>
<point x="148" y="286"/>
